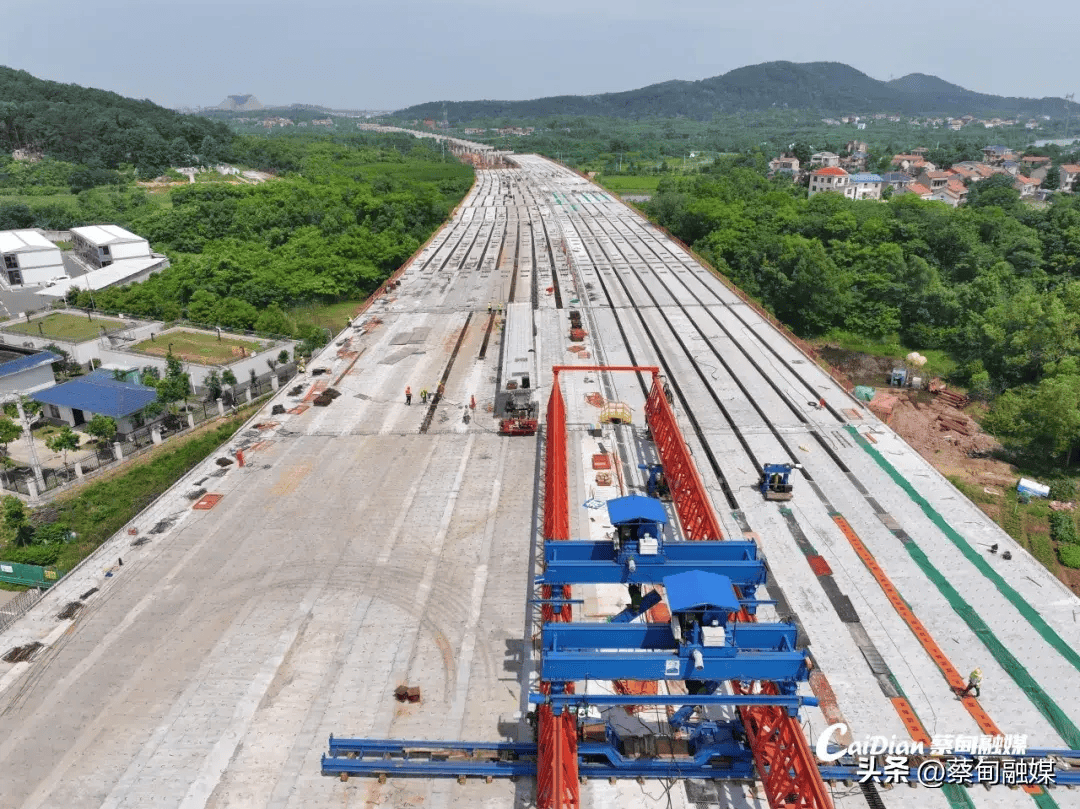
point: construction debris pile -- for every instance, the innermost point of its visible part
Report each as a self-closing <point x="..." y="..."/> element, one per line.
<point x="933" y="426"/>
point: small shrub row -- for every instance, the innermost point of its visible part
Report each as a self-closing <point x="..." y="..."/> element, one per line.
<point x="43" y="555"/>
<point x="1062" y="489"/>
<point x="1063" y="527"/>
<point x="1069" y="555"/>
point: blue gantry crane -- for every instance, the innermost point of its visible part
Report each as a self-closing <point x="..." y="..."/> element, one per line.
<point x="639" y="554"/>
<point x="701" y="645"/>
<point x="701" y="642"/>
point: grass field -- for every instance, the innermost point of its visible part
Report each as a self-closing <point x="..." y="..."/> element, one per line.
<point x="332" y="315"/>
<point x="198" y="347"/>
<point x="938" y="362"/>
<point x="67" y="327"/>
<point x="37" y="199"/>
<point x="628" y="184"/>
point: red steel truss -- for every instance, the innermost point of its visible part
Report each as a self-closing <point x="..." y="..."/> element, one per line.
<point x="783" y="757"/>
<point x="556" y="491"/>
<point x="687" y="490"/>
<point x="557" y="782"/>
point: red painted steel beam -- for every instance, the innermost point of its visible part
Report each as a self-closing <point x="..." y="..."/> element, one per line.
<point x="557" y="785"/>
<point x="785" y="763"/>
<point x="556" y="507"/>
<point x="687" y="489"/>
<point x="645" y="369"/>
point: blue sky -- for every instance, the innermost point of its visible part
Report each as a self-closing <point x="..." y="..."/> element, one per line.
<point x="388" y="55"/>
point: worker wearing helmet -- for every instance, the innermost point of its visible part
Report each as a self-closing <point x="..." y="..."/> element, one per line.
<point x="974" y="681"/>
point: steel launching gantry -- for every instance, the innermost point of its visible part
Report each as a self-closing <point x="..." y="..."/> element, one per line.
<point x="711" y="643"/>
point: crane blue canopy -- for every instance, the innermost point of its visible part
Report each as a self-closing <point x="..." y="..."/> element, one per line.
<point x="697" y="590"/>
<point x="636" y="508"/>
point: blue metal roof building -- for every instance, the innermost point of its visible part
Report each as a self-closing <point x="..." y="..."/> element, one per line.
<point x="24" y="372"/>
<point x="20" y="364"/>
<point x="100" y="394"/>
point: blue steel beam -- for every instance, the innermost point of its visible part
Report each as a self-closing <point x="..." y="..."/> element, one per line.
<point x="380" y="747"/>
<point x="600" y="563"/>
<point x="429" y="768"/>
<point x="608" y="636"/>
<point x="721" y="760"/>
<point x="647" y="570"/>
<point x="779" y="667"/>
<point x="792" y="703"/>
<point x="583" y="550"/>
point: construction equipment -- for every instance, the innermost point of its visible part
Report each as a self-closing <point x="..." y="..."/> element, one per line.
<point x="657" y="485"/>
<point x="775" y="482"/>
<point x="518" y="426"/>
<point x="712" y="637"/>
<point x="515" y="399"/>
<point x="702" y="642"/>
<point x="638" y="553"/>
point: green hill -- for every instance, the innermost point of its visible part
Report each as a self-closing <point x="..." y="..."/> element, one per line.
<point x="830" y="88"/>
<point x="101" y="129"/>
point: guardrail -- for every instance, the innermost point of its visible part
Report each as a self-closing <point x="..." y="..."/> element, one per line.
<point x="18" y="607"/>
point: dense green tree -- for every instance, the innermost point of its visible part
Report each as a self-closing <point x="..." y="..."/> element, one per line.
<point x="1039" y="418"/>
<point x="996" y="190"/>
<point x="274" y="321"/>
<point x="803" y="152"/>
<point x="17" y="520"/>
<point x="102" y="428"/>
<point x="212" y="383"/>
<point x="1052" y="180"/>
<point x="175" y="385"/>
<point x="9" y="431"/>
<point x="63" y="442"/>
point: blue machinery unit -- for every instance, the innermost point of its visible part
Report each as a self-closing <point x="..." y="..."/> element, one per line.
<point x="700" y="645"/>
<point x="775" y="482"/>
<point x="657" y="485"/>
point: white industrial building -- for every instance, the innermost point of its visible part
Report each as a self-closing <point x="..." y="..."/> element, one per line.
<point x="121" y="272"/>
<point x="29" y="258"/>
<point x="101" y="245"/>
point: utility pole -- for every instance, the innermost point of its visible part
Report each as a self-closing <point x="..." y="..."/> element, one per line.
<point x="35" y="464"/>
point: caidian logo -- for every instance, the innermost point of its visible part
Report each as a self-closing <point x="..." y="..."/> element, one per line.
<point x="868" y="746"/>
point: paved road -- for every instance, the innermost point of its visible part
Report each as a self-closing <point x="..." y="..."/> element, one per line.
<point x="352" y="553"/>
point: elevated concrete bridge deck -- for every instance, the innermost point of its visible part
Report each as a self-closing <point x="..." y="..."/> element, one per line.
<point x="356" y="551"/>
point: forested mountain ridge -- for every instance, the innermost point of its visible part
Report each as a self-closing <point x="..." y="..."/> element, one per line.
<point x="831" y="88"/>
<point x="101" y="129"/>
